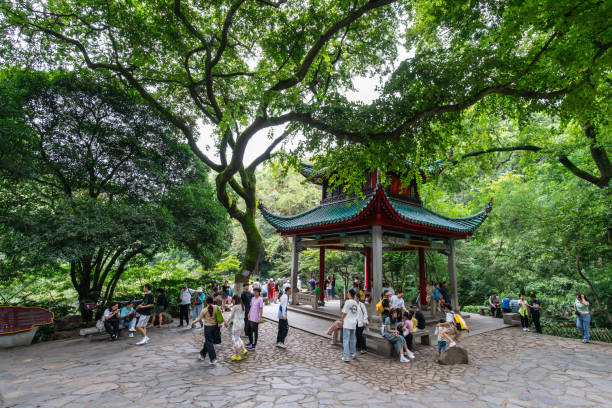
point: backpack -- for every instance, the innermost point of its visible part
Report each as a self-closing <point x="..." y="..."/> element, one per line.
<point x="379" y="307"/>
<point x="459" y="322"/>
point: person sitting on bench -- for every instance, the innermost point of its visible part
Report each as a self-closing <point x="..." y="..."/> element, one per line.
<point x="111" y="320"/>
<point x="494" y="305"/>
<point x="127" y="317"/>
<point x="505" y="305"/>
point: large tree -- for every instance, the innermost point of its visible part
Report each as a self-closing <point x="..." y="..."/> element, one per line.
<point x="92" y="177"/>
<point x="242" y="67"/>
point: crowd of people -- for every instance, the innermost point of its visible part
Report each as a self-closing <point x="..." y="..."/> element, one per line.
<point x="525" y="308"/>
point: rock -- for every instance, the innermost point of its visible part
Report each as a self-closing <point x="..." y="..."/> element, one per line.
<point x="69" y="322"/>
<point x="454" y="355"/>
<point x="63" y="335"/>
<point x="166" y="318"/>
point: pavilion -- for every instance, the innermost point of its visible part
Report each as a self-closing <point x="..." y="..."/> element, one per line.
<point x="388" y="218"/>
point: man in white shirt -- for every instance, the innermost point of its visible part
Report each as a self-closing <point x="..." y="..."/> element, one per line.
<point x="256" y="284"/>
<point x="111" y="320"/>
<point x="397" y="301"/>
<point x="299" y="285"/>
<point x="185" y="298"/>
<point x="283" y="324"/>
<point x="349" y="326"/>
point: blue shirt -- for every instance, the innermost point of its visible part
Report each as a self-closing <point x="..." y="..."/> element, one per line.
<point x="436" y="293"/>
<point x="505" y="303"/>
<point x="125" y="311"/>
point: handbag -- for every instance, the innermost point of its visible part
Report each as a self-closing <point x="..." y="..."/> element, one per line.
<point x="219" y="316"/>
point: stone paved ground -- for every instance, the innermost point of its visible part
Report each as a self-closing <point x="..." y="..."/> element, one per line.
<point x="508" y="368"/>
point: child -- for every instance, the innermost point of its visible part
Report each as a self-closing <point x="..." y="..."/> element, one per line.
<point x="255" y="315"/>
<point x="317" y="291"/>
<point x="408" y="330"/>
<point x="333" y="331"/>
<point x="449" y="330"/>
<point x="441" y="341"/>
<point x="236" y="320"/>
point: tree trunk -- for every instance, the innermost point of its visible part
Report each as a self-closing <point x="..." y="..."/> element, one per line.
<point x="253" y="253"/>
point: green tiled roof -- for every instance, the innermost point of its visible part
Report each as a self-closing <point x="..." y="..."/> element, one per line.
<point x="343" y="211"/>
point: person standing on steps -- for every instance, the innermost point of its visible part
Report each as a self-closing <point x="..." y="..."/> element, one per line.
<point x="534" y="307"/>
<point x="246" y="297"/>
<point x="362" y="323"/>
<point x="185" y="299"/>
<point x="349" y="326"/>
<point x="209" y="315"/>
<point x="255" y="315"/>
<point x="283" y="323"/>
<point x="583" y="317"/>
<point x="144" y="310"/>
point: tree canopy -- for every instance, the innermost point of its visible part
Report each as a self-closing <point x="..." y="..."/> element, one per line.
<point x="92" y="177"/>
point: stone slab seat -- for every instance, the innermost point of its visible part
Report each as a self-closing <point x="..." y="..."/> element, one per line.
<point x="513" y="319"/>
<point x="483" y="309"/>
<point x="381" y="346"/>
<point x="307" y="299"/>
<point x="92" y="333"/>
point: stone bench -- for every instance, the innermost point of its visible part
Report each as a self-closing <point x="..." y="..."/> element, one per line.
<point x="484" y="309"/>
<point x="307" y="299"/>
<point x="379" y="345"/>
<point x="512" y="319"/>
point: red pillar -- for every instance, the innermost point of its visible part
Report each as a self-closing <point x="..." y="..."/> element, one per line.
<point x="322" y="270"/>
<point x="368" y="269"/>
<point x="422" y="281"/>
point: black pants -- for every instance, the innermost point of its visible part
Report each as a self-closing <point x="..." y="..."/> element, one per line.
<point x="247" y="324"/>
<point x="408" y="339"/>
<point x="495" y="312"/>
<point x="209" y="347"/>
<point x="253" y="333"/>
<point x="184" y="313"/>
<point x="283" y="329"/>
<point x="535" y="317"/>
<point x="112" y="326"/>
<point x="361" y="341"/>
<point x="524" y="321"/>
<point x="506" y="310"/>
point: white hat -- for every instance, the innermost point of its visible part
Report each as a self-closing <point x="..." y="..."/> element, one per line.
<point x="199" y="289"/>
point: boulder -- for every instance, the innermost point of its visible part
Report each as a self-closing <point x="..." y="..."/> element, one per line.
<point x="166" y="318"/>
<point x="69" y="322"/>
<point x="454" y="355"/>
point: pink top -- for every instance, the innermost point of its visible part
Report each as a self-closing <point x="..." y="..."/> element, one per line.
<point x="408" y="327"/>
<point x="256" y="306"/>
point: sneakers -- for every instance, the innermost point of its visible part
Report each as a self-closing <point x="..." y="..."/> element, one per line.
<point x="363" y="351"/>
<point x="346" y="360"/>
<point x="281" y="345"/>
<point x="236" y="358"/>
<point x="131" y="335"/>
<point x="201" y="357"/>
<point x="249" y="347"/>
<point x="353" y="356"/>
<point x="403" y="359"/>
<point x="525" y="329"/>
<point x="132" y="330"/>
<point x="244" y="352"/>
<point x="410" y="354"/>
<point x="452" y="344"/>
<point x="213" y="363"/>
<point x="144" y="340"/>
<point x="113" y="337"/>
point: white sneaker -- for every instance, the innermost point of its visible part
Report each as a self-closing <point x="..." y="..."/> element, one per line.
<point x="403" y="359"/>
<point x="282" y="345"/>
<point x="452" y="344"/>
<point x="131" y="335"/>
<point x="143" y="341"/>
<point x="346" y="360"/>
<point x="200" y="357"/>
<point x="132" y="330"/>
<point x="353" y="356"/>
<point x="409" y="354"/>
<point x="213" y="363"/>
<point x="526" y="328"/>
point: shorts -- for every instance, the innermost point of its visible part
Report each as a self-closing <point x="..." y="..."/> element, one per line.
<point x="143" y="320"/>
<point x="159" y="309"/>
<point x="442" y="345"/>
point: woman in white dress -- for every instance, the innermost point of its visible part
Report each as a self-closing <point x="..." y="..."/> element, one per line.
<point x="236" y="321"/>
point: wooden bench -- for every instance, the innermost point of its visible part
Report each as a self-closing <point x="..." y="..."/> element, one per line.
<point x="308" y="299"/>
